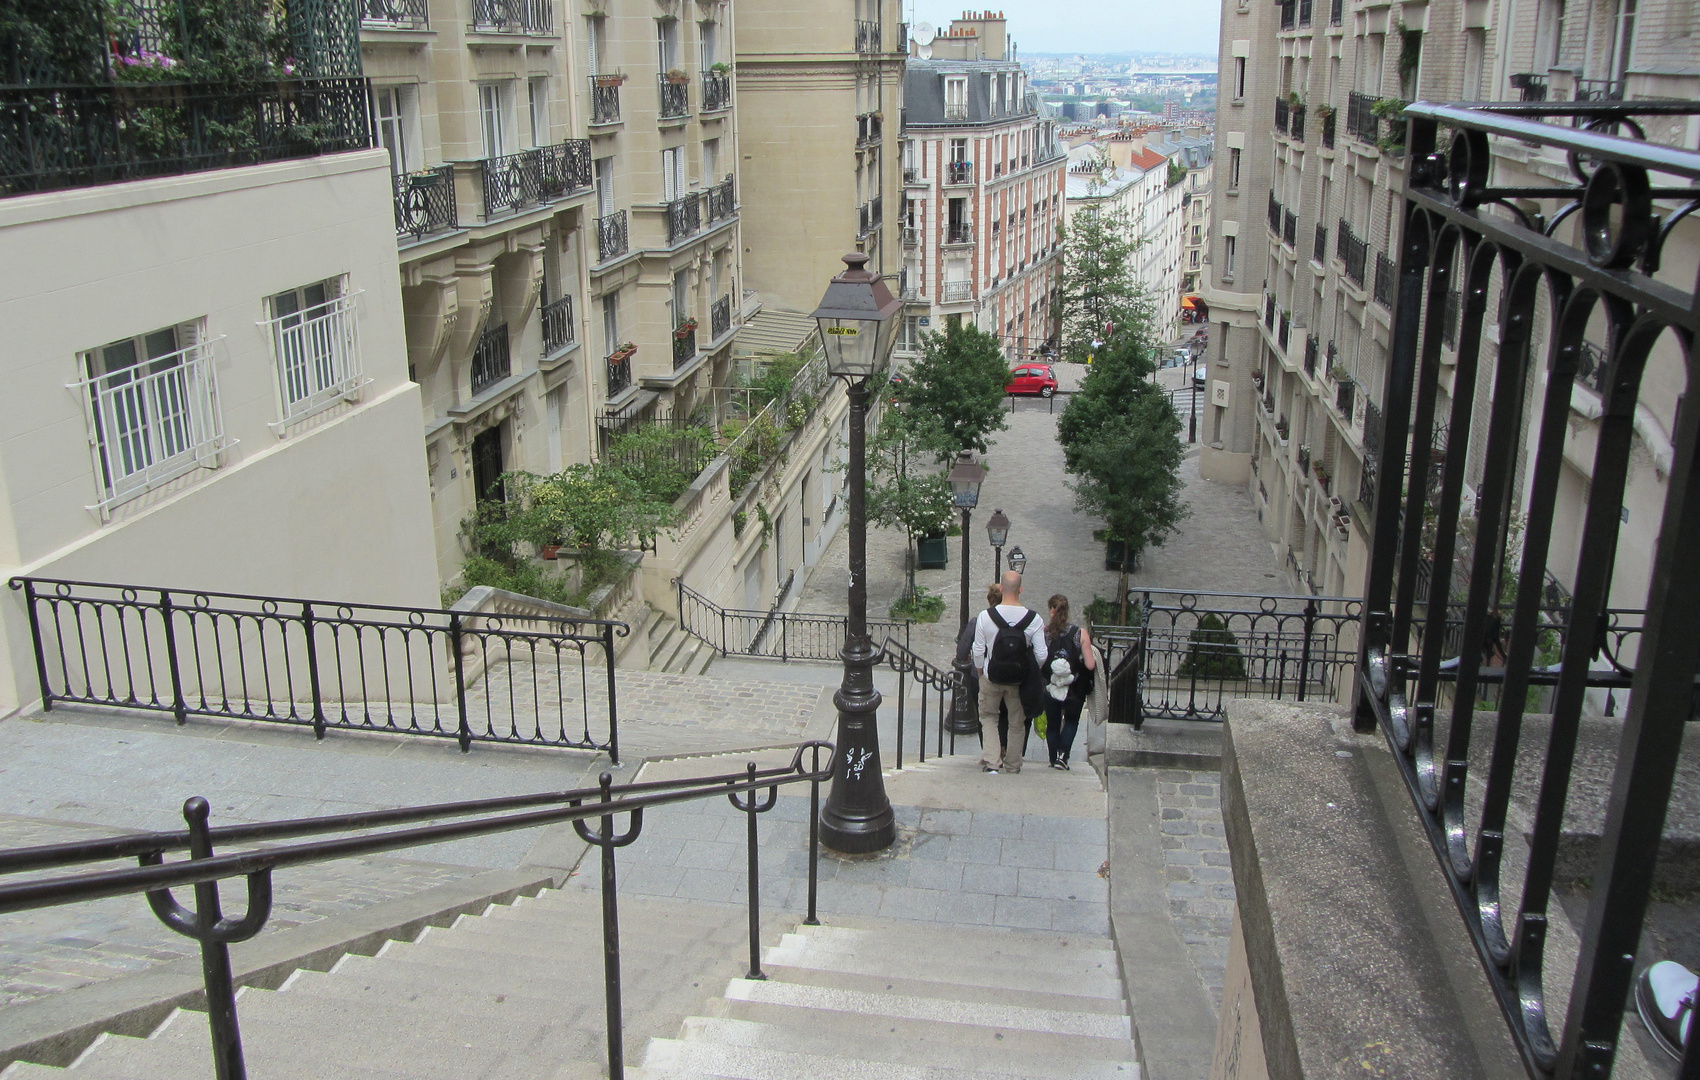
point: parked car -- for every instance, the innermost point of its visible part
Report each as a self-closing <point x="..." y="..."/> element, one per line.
<point x="1032" y="379"/>
<point x="1198" y="377"/>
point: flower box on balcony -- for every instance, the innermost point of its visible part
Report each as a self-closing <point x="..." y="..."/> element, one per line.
<point x="610" y="80"/>
<point x="685" y="329"/>
<point x="677" y="77"/>
<point x="623" y="352"/>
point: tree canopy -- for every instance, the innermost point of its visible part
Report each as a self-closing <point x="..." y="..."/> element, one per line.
<point x="1100" y="298"/>
<point x="956" y="388"/>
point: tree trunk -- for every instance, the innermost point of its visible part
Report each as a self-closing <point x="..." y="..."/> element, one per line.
<point x="1122" y="587"/>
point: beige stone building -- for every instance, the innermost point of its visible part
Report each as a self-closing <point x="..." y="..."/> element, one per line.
<point x="1303" y="247"/>
<point x="984" y="183"/>
<point x="820" y="102"/>
<point x="566" y="213"/>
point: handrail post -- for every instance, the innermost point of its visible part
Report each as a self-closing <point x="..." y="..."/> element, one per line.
<point x="178" y="708"/>
<point x="1304" y="659"/>
<point x="814" y="837"/>
<point x="900" y="695"/>
<point x="611" y="945"/>
<point x="750" y="811"/>
<point x="613" y="708"/>
<point x="40" y="653"/>
<point x="455" y="635"/>
<point x="313" y="672"/>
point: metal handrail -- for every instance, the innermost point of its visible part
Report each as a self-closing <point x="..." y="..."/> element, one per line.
<point x="773" y="634"/>
<point x="204" y="869"/>
<point x="900" y="658"/>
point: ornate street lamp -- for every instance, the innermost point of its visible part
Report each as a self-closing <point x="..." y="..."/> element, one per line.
<point x="858" y="320"/>
<point x="965" y="478"/>
<point x="997" y="531"/>
<point x="1017" y="560"/>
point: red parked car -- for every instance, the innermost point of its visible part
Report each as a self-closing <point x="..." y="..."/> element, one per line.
<point x="1032" y="379"/>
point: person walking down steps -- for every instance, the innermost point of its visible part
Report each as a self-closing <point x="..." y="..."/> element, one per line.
<point x="1009" y="646"/>
<point x="1069" y="672"/>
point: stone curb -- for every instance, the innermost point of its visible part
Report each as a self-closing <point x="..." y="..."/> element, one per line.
<point x="1166" y="744"/>
<point x="54" y="1030"/>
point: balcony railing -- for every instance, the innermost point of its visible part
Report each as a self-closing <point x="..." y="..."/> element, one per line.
<point x="1284" y="333"/>
<point x="1269" y="309"/>
<point x="959" y="232"/>
<point x="719" y="201"/>
<point x="604" y="99"/>
<point x="911" y="175"/>
<point x="684" y="343"/>
<point x="957" y="291"/>
<point x="515" y="182"/>
<point x="1361" y="122"/>
<point x="675" y="98"/>
<point x="558" y="330"/>
<point x="68" y="136"/>
<point x="911" y="237"/>
<point x="1598" y="90"/>
<point x="513" y="16"/>
<point x="867" y="36"/>
<point x="908" y="285"/>
<point x="619" y="372"/>
<point x="716" y="91"/>
<point x="959" y="172"/>
<point x="1274" y="213"/>
<point x="490" y="360"/>
<point x="1289" y="228"/>
<point x="869" y="128"/>
<point x="1313" y="347"/>
<point x="1384" y="278"/>
<point x="1319" y="250"/>
<point x="611" y="240"/>
<point x="1353" y="252"/>
<point x="1298" y="123"/>
<point x="1282" y="108"/>
<point x="317" y="356"/>
<point x="1531" y="87"/>
<point x="1345" y="392"/>
<point x="720" y="317"/>
<point x="425" y="203"/>
<point x="1328" y="129"/>
<point x="684" y="217"/>
<point x="395" y="14"/>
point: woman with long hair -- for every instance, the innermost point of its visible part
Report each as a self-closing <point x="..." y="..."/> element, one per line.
<point x="1070" y="671"/>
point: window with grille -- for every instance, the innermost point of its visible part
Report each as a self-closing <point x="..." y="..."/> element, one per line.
<point x="312" y="331"/>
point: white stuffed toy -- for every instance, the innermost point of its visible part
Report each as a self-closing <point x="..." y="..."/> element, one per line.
<point x="1062" y="676"/>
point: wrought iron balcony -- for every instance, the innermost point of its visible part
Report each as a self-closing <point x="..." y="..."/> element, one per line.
<point x="911" y="237"/>
<point x="1345" y="392"/>
<point x="869" y="127"/>
<point x="1598" y="90"/>
<point x="619" y="371"/>
<point x="908" y="285"/>
<point x="490" y="360"/>
<point x="1385" y="276"/>
<point x="720" y="201"/>
<point x="675" y="97"/>
<point x="957" y="291"/>
<point x="558" y="331"/>
<point x="1591" y="367"/>
<point x="684" y="343"/>
<point x="513" y="16"/>
<point x="425" y="203"/>
<point x="684" y="217"/>
<point x="959" y="232"/>
<point x="1353" y="252"/>
<point x="1531" y="87"/>
<point x="395" y="14"/>
<point x="1449" y="322"/>
<point x="959" y="172"/>
<point x="716" y="91"/>
<point x="611" y="241"/>
<point x="1301" y="457"/>
<point x="67" y="136"/>
<point x="1313" y="347"/>
<point x="605" y="99"/>
<point x="867" y="36"/>
<point x="515" y="182"/>
<point x="1269" y="310"/>
<point x="1285" y="330"/>
<point x="720" y="317"/>
<point x="1289" y="228"/>
<point x="1274" y="213"/>
<point x="1297" y="129"/>
<point x="1328" y="129"/>
<point x="1361" y="122"/>
<point x="1281" y="110"/>
<point x="1319" y="250"/>
<point x="912" y="175"/>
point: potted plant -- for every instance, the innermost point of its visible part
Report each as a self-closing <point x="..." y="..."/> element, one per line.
<point x="677" y="76"/>
<point x="626" y="349"/>
<point x="1339" y="373"/>
<point x="685" y="329"/>
<point x="614" y="79"/>
<point x="721" y="67"/>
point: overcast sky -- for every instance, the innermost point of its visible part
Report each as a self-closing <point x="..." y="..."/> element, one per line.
<point x="1080" y="26"/>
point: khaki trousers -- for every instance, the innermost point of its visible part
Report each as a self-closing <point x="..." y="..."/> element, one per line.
<point x="994" y="754"/>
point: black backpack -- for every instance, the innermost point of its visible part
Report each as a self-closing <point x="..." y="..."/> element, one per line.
<point x="1010" y="659"/>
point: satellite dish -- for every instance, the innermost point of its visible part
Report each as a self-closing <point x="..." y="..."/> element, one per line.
<point x="923" y="52"/>
<point x="924" y="33"/>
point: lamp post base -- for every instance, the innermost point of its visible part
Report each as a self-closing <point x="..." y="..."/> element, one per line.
<point x="857" y="818"/>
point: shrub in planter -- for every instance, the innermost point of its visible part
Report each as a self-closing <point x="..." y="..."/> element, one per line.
<point x="1212" y="652"/>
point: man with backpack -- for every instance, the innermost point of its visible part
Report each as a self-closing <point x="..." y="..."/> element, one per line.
<point x="1009" y="646"/>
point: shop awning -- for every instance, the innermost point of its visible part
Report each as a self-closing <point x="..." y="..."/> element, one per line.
<point x="1189" y="302"/>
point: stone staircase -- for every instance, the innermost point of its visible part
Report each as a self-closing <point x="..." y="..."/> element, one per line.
<point x="673" y="650"/>
<point x="517" y="993"/>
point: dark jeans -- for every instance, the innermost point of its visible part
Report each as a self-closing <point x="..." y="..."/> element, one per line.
<point x="1062" y="720"/>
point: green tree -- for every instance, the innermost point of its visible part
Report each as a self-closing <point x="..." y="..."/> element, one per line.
<point x="956" y="387"/>
<point x="1099" y="298"/>
<point x="900" y="494"/>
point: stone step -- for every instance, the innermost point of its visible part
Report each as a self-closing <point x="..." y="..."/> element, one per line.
<point x="881" y="1045"/>
<point x="661" y="638"/>
<point x="964" y="982"/>
<point x="668" y="1059"/>
<point x="920" y="942"/>
<point x="911" y="1007"/>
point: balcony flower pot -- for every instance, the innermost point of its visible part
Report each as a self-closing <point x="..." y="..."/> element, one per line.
<point x="610" y="80"/>
<point x="685" y="329"/>
<point x="623" y="352"/>
<point x="677" y="77"/>
<point x="722" y="67"/>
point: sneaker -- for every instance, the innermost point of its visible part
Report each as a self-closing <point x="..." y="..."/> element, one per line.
<point x="988" y="769"/>
<point x="1664" y="996"/>
<point x="1055" y="764"/>
<point x="1063" y="765"/>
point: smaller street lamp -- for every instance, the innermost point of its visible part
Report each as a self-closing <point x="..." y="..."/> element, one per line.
<point x="997" y="531"/>
<point x="965" y="478"/>
<point x="1017" y="560"/>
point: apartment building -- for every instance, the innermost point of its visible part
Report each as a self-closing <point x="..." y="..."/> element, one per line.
<point x="1303" y="249"/>
<point x="820" y="85"/>
<point x="205" y="362"/>
<point x="1195" y="151"/>
<point x="566" y="225"/>
<point x="984" y="182"/>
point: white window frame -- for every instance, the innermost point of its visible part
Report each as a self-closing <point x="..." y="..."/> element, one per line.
<point x="146" y="430"/>
<point x="537" y="107"/>
<point x="495" y="119"/>
<point x="395" y="118"/>
<point x="315" y="351"/>
<point x="672" y="173"/>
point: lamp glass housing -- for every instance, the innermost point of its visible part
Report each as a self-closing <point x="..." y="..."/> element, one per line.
<point x="965" y="478"/>
<point x="1017" y="560"/>
<point x="858" y="319"/>
<point x="997" y="529"/>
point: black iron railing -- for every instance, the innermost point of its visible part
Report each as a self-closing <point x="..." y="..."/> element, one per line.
<point x="68" y="136"/>
<point x="1328" y="129"/>
<point x="1284" y="330"/>
<point x="1189" y="653"/>
<point x="1282" y="108"/>
<point x="684" y="217"/>
<point x="1384" y="273"/>
<point x="619" y="372"/>
<point x="1344" y="392"/>
<point x="1598" y="90"/>
<point x="1353" y="251"/>
<point x="1270" y="307"/>
<point x="1449" y="323"/>
<point x="1370" y="478"/>
<point x="513" y="16"/>
<point x="684" y="343"/>
<point x="675" y="98"/>
<point x="720" y="201"/>
<point x="1455" y="223"/>
<point x="959" y="232"/>
<point x="1361" y="121"/>
<point x="1529" y="86"/>
<point x="491" y="362"/>
<point x="558" y="329"/>
<point x="515" y="182"/>
<point x="1274" y="213"/>
<point x="591" y="810"/>
<point x="720" y="318"/>
<point x="933" y="685"/>
<point x="774" y="634"/>
<point x="1319" y="248"/>
<point x="1298" y="120"/>
<point x="1591" y="367"/>
<point x="611" y="241"/>
<point x="959" y="172"/>
<point x="1289" y="228"/>
<point x="605" y="99"/>
<point x="425" y="203"/>
<point x="395" y="14"/>
<point x="867" y="36"/>
<point x="869" y="127"/>
<point x="546" y="680"/>
<point x="716" y="91"/>
<point x="1313" y="349"/>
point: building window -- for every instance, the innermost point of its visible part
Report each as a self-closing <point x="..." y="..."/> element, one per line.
<point x="708" y="33"/>
<point x="394" y="114"/>
<point x="1239" y="77"/>
<point x="493" y="117"/>
<point x="538" y="97"/>
<point x="1624" y="46"/>
<point x="667" y="43"/>
<point x="672" y="173"/>
<point x="956" y="97"/>
<point x="314" y="346"/>
<point x="593" y="31"/>
<point x="1228" y="258"/>
<point x="152" y="410"/>
<point x="1234" y="169"/>
<point x="604" y="186"/>
<point x="610" y="323"/>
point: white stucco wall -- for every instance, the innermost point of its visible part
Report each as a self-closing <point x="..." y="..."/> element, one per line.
<point x="335" y="507"/>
